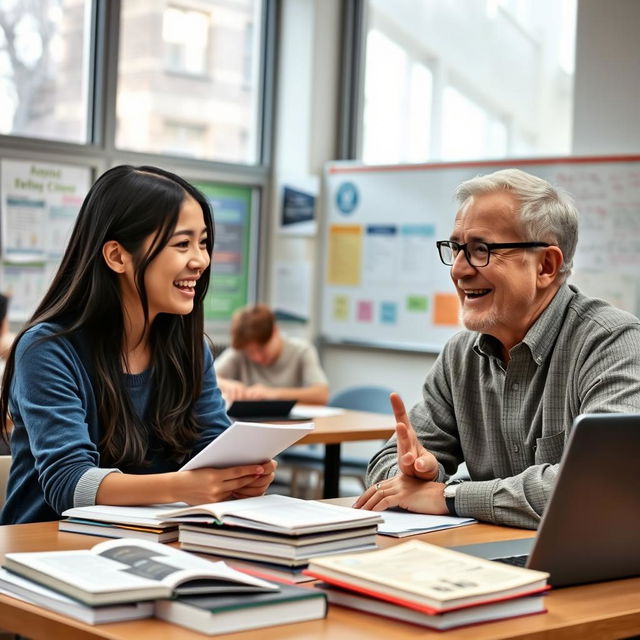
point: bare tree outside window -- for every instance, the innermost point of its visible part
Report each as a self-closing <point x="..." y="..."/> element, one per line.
<point x="43" y="69"/>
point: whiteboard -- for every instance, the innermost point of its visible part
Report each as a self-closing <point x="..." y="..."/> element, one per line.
<point x="382" y="281"/>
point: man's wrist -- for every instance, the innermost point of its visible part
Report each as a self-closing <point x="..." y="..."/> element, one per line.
<point x="449" y="493"/>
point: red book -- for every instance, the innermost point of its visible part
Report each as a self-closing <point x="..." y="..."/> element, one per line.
<point x="427" y="578"/>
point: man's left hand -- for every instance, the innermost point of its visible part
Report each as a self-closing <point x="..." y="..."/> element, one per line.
<point x="412" y="494"/>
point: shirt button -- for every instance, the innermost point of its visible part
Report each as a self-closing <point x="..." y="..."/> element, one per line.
<point x="515" y="386"/>
<point x="516" y="448"/>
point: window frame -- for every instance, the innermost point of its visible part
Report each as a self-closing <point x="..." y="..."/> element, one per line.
<point x="99" y="152"/>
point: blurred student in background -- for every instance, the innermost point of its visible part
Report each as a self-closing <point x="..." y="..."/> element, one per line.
<point x="263" y="364"/>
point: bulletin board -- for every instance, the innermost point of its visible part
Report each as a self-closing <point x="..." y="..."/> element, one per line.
<point x="39" y="205"/>
<point x="234" y="268"/>
<point x="383" y="284"/>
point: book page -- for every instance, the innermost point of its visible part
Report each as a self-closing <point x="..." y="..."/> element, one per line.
<point x="230" y="448"/>
<point x="282" y="511"/>
<point x="160" y="562"/>
<point x="428" y="570"/>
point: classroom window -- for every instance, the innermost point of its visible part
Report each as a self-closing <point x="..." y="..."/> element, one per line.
<point x="185" y="36"/>
<point x="469" y="129"/>
<point x="466" y="79"/>
<point x="195" y="64"/>
<point x="180" y="135"/>
<point x="397" y="103"/>
<point x="44" y="69"/>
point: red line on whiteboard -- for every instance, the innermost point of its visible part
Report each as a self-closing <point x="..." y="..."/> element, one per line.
<point x="514" y="162"/>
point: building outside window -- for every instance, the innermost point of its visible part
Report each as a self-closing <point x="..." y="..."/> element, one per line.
<point x="188" y="79"/>
<point x="466" y="79"/>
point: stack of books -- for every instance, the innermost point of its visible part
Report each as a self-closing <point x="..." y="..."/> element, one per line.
<point x="141" y="523"/>
<point x="274" y="529"/>
<point x="429" y="585"/>
<point x="130" y="579"/>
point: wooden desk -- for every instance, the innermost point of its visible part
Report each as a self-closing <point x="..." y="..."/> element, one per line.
<point x="600" y="611"/>
<point x="349" y="426"/>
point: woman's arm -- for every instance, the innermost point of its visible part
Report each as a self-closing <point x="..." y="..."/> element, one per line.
<point x="199" y="486"/>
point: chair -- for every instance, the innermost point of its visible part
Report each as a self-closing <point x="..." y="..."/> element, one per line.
<point x="310" y="458"/>
<point x="5" y="465"/>
<point x="363" y="398"/>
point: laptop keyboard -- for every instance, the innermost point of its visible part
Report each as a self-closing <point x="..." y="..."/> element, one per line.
<point x="518" y="561"/>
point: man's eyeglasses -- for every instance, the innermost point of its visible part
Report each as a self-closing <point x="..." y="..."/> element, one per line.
<point x="478" y="253"/>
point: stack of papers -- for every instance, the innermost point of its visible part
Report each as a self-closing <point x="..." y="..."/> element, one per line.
<point x="404" y="523"/>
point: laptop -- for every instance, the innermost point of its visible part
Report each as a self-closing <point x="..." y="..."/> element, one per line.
<point x="261" y="409"/>
<point x="590" y="530"/>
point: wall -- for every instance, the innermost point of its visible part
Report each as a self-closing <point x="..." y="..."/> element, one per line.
<point x="606" y="102"/>
<point x="306" y="122"/>
<point x="607" y="80"/>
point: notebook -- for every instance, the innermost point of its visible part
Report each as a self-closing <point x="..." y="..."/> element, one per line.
<point x="261" y="409"/>
<point x="590" y="530"/>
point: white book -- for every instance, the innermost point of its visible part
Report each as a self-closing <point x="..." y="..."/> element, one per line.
<point x="110" y="530"/>
<point x="274" y="513"/>
<point x="230" y="448"/>
<point x="276" y="549"/>
<point x="258" y="556"/>
<point x="141" y="516"/>
<point x="283" y="514"/>
<point x="129" y="570"/>
<point x="34" y="593"/>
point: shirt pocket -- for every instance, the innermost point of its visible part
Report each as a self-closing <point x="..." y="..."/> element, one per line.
<point x="549" y="449"/>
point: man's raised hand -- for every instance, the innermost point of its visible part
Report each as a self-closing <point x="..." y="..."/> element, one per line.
<point x="413" y="459"/>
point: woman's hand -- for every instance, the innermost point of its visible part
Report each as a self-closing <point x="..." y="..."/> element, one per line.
<point x="201" y="486"/>
<point x="259" y="485"/>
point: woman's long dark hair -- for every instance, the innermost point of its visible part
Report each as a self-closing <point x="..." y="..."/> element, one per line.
<point x="128" y="204"/>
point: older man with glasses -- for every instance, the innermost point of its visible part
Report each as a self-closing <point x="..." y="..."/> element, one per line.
<point x="535" y="354"/>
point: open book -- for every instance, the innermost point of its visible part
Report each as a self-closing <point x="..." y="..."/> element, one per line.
<point x="130" y="570"/>
<point x="231" y="448"/>
<point x="280" y="514"/>
<point x="426" y="577"/>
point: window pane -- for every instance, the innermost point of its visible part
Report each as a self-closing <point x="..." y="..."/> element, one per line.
<point x="188" y="79"/>
<point x="383" y="109"/>
<point x="44" y="69"/>
<point x="497" y="79"/>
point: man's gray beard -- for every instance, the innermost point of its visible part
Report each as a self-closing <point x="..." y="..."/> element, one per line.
<point x="481" y="325"/>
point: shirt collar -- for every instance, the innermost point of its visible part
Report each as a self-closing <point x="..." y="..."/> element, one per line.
<point x="541" y="335"/>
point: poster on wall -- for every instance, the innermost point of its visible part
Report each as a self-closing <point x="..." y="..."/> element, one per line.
<point x="39" y="205"/>
<point x="231" y="268"/>
<point x="298" y="206"/>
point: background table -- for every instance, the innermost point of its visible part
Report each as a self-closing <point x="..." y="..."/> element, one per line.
<point x="349" y="426"/>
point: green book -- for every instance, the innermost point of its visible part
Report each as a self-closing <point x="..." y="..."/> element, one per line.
<point x="219" y="614"/>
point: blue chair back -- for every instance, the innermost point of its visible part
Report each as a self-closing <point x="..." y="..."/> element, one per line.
<point x="363" y="398"/>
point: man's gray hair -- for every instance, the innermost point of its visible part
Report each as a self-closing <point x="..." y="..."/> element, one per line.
<point x="547" y="214"/>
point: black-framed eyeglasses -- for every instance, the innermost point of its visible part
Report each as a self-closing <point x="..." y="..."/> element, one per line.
<point x="478" y="253"/>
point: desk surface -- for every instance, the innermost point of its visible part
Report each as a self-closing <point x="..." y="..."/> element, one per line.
<point x="603" y="610"/>
<point x="350" y="426"/>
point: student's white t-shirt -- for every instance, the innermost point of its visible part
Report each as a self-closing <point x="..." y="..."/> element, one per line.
<point x="297" y="366"/>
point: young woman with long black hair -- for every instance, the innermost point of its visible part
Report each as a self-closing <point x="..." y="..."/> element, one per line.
<point x="110" y="385"/>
